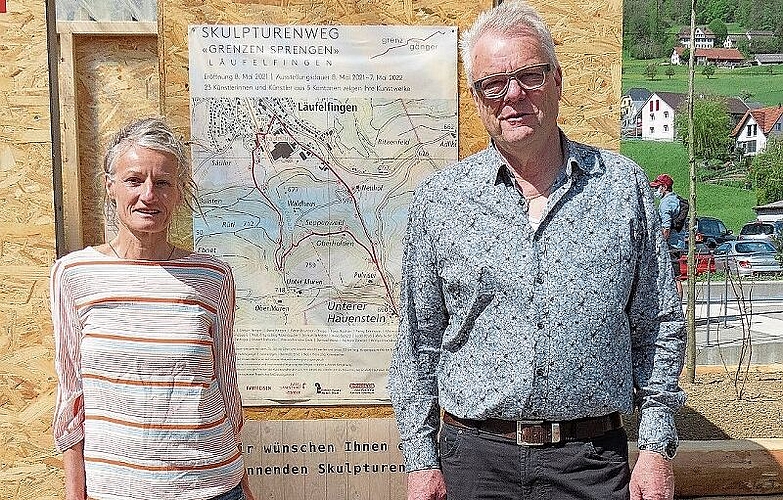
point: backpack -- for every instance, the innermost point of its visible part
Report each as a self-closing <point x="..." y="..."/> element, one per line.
<point x="678" y="221"/>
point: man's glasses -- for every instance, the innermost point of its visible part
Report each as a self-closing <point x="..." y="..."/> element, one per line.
<point x="529" y="78"/>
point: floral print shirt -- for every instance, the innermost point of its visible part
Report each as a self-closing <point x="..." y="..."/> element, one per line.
<point x="577" y="318"/>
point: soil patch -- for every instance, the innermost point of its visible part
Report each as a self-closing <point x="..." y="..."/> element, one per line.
<point x="715" y="410"/>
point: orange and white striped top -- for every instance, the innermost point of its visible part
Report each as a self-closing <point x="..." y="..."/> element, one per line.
<point x="147" y="375"/>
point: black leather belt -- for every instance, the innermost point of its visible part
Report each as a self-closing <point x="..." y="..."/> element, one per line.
<point x="541" y="432"/>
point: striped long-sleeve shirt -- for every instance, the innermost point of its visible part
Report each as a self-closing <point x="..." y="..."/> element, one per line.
<point x="147" y="377"/>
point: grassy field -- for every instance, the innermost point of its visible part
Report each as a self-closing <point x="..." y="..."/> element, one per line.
<point x="733" y="206"/>
<point x="763" y="83"/>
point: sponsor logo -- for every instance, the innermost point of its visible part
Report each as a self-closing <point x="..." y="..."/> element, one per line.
<point x="362" y="387"/>
<point x="319" y="389"/>
<point x="294" y="388"/>
<point x="258" y="388"/>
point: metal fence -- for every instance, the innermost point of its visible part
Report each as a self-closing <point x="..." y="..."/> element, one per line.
<point x="738" y="318"/>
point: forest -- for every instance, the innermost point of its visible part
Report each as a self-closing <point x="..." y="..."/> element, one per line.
<point x="650" y="27"/>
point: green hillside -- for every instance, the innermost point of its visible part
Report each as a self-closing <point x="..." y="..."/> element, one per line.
<point x="762" y="84"/>
<point x="734" y="206"/>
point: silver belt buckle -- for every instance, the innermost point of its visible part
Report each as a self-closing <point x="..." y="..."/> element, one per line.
<point x="554" y="428"/>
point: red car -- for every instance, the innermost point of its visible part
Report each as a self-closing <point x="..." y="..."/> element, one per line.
<point x="704" y="261"/>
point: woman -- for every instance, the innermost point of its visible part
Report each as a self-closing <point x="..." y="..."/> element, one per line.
<point x="148" y="405"/>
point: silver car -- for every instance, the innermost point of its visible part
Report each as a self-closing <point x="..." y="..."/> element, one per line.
<point x="763" y="231"/>
<point x="747" y="258"/>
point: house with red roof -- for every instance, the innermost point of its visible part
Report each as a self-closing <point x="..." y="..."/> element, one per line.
<point x="757" y="127"/>
<point x="728" y="58"/>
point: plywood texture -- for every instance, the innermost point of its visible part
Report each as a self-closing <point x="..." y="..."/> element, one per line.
<point x="27" y="463"/>
<point x="116" y="82"/>
<point x="588" y="40"/>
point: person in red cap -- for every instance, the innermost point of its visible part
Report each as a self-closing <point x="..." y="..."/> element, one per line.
<point x="669" y="209"/>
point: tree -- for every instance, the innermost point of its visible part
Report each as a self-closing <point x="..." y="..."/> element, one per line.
<point x="767" y="173"/>
<point x="670" y="71"/>
<point x="718" y="10"/>
<point x="647" y="48"/>
<point x="651" y="71"/>
<point x="708" y="70"/>
<point x="711" y="127"/>
<point x="764" y="45"/>
<point x="719" y="29"/>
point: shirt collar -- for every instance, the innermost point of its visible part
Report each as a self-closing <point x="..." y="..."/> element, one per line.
<point x="578" y="158"/>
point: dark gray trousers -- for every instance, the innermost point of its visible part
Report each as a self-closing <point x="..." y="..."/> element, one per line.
<point x="235" y="493"/>
<point x="481" y="466"/>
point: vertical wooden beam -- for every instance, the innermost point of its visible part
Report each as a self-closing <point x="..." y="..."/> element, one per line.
<point x="72" y="199"/>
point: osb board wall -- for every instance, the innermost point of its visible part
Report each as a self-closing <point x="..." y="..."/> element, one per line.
<point x="587" y="34"/>
<point x="28" y="469"/>
<point x="116" y="82"/>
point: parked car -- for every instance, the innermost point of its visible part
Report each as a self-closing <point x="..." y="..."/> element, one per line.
<point x="747" y="258"/>
<point x="704" y="261"/>
<point x="771" y="232"/>
<point x="712" y="231"/>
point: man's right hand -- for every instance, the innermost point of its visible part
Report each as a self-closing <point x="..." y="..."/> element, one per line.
<point x="426" y="485"/>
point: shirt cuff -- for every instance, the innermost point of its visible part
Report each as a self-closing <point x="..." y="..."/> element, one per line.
<point x="69" y="439"/>
<point x="420" y="455"/>
<point x="656" y="427"/>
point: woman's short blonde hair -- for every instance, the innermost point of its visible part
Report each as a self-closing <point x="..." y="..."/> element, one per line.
<point x="153" y="133"/>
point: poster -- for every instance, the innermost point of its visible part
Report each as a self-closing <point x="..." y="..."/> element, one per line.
<point x="307" y="143"/>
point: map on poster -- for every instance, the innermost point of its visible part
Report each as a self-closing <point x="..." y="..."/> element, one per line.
<point x="308" y="142"/>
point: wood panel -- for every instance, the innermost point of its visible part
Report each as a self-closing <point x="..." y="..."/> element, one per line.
<point x="333" y="459"/>
<point x="28" y="467"/>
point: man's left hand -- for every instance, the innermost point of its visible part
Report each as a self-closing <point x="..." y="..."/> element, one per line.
<point x="652" y="477"/>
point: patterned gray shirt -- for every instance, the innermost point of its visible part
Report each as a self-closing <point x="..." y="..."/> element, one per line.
<point x="577" y="318"/>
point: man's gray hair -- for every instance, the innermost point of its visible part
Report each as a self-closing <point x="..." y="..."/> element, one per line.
<point x="512" y="17"/>
<point x="153" y="133"/>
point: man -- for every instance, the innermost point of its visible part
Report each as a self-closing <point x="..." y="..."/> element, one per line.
<point x="669" y="209"/>
<point x="537" y="301"/>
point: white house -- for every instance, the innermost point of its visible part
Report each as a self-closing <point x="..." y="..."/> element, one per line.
<point x="757" y="127"/>
<point x="657" y="116"/>
<point x="731" y="41"/>
<point x="705" y="39"/>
